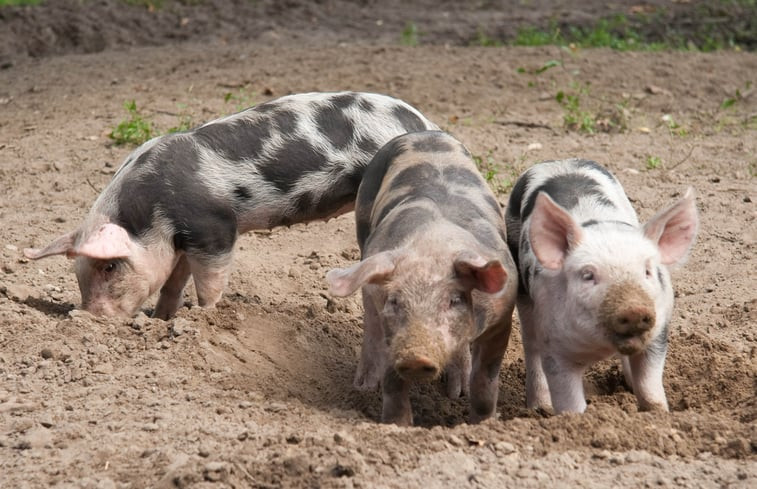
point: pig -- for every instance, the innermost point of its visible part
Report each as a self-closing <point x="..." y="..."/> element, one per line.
<point x="593" y="282"/>
<point x="177" y="204"/>
<point x="436" y="275"/>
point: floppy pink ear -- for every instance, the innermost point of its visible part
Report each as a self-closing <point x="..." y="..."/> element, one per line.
<point x="108" y="242"/>
<point x="486" y="276"/>
<point x="674" y="228"/>
<point x="61" y="246"/>
<point x="552" y="232"/>
<point x="345" y="281"/>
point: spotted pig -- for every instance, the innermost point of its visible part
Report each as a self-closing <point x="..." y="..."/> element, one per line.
<point x="177" y="204"/>
<point x="594" y="283"/>
<point x="437" y="279"/>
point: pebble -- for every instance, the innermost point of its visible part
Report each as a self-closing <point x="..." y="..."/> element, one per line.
<point x="8" y="268"/>
<point x="150" y="427"/>
<point x="19" y="292"/>
<point x="46" y="353"/>
<point x="103" y="368"/>
<point x="215" y="471"/>
<point x="504" y="447"/>
<point x="179" y="326"/>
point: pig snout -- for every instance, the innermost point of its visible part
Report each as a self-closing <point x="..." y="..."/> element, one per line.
<point x="418" y="356"/>
<point x="417" y="367"/>
<point x="628" y="313"/>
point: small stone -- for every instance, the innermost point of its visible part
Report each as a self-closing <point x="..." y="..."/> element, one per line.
<point x="215" y="471"/>
<point x="504" y="447"/>
<point x="46" y="421"/>
<point x="150" y="427"/>
<point x="343" y="438"/>
<point x="203" y="452"/>
<point x="46" y="353"/>
<point x="20" y="292"/>
<point x="103" y="368"/>
<point x="11" y="247"/>
<point x="8" y="268"/>
<point x="534" y="147"/>
<point x="455" y="441"/>
<point x="245" y="404"/>
<point x="179" y="326"/>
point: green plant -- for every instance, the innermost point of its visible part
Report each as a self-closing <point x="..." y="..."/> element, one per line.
<point x="576" y="118"/>
<point x="242" y="99"/>
<point x="16" y="3"/>
<point x="134" y="130"/>
<point x="489" y="170"/>
<point x="410" y="35"/>
<point x="185" y="120"/>
<point x="654" y="162"/>
<point x="482" y="39"/>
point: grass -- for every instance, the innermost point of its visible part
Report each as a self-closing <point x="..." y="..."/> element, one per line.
<point x="499" y="183"/>
<point x="133" y="130"/>
<point x="410" y="35"/>
<point x="16" y="3"/>
<point x="654" y="162"/>
<point x="576" y="117"/>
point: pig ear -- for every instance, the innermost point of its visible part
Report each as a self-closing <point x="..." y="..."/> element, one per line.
<point x="108" y="242"/>
<point x="552" y="232"/>
<point x="61" y="246"/>
<point x="486" y="276"/>
<point x="345" y="281"/>
<point x="674" y="229"/>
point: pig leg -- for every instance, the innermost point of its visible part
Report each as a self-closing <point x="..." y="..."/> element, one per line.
<point x="537" y="389"/>
<point x="371" y="364"/>
<point x="458" y="373"/>
<point x="171" y="293"/>
<point x="488" y="352"/>
<point x="396" y="400"/>
<point x="646" y="378"/>
<point x="211" y="277"/>
<point x="565" y="379"/>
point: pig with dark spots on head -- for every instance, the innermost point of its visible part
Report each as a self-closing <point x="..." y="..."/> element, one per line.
<point x="594" y="282"/>
<point x="176" y="205"/>
<point x="437" y="279"/>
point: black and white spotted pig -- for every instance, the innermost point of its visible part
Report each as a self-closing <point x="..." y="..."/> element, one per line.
<point x="436" y="275"/>
<point x="179" y="201"/>
<point x="593" y="281"/>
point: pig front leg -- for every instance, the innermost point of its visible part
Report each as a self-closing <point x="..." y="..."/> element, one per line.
<point x="645" y="372"/>
<point x="537" y="389"/>
<point x="171" y="293"/>
<point x="211" y="277"/>
<point x="396" y="400"/>
<point x="488" y="351"/>
<point x="565" y="380"/>
<point x="458" y="373"/>
<point x="372" y="355"/>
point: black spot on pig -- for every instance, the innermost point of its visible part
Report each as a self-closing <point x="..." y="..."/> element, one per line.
<point x="344" y="100"/>
<point x="565" y="190"/>
<point x="516" y="197"/>
<point x="596" y="167"/>
<point x="336" y="126"/>
<point x="202" y="224"/>
<point x="241" y="139"/>
<point x="462" y="176"/>
<point x="661" y="278"/>
<point x="594" y="222"/>
<point x="286" y="122"/>
<point x="295" y="157"/>
<point x="413" y="176"/>
<point x="266" y="107"/>
<point x="242" y="193"/>
<point x="367" y="145"/>
<point x="402" y="224"/>
<point x="366" y="105"/>
<point x="432" y="142"/>
<point x="410" y="122"/>
<point x="371" y="182"/>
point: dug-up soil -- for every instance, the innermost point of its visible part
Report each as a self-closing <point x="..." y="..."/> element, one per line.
<point x="257" y="392"/>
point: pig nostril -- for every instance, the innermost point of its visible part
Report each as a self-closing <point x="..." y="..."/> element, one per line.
<point x="429" y="369"/>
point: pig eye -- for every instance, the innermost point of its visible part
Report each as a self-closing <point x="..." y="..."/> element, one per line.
<point x="110" y="267"/>
<point x="457" y="299"/>
<point x="587" y="275"/>
<point x="392" y="303"/>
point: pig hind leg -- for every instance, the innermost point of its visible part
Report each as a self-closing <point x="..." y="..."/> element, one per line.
<point x="396" y="400"/>
<point x="210" y="276"/>
<point x="172" y="291"/>
<point x="537" y="389"/>
<point x="488" y="352"/>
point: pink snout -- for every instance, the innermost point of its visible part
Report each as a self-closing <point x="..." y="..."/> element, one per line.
<point x="415" y="367"/>
<point x="628" y="313"/>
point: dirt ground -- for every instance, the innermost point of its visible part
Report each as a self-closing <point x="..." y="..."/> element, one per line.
<point x="257" y="393"/>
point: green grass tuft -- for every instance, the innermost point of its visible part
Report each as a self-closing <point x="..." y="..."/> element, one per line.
<point x="134" y="130"/>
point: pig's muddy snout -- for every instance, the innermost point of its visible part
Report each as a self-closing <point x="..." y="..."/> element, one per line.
<point x="416" y="367"/>
<point x="628" y="313"/>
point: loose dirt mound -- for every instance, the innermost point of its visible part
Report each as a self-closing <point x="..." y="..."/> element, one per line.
<point x="257" y="393"/>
